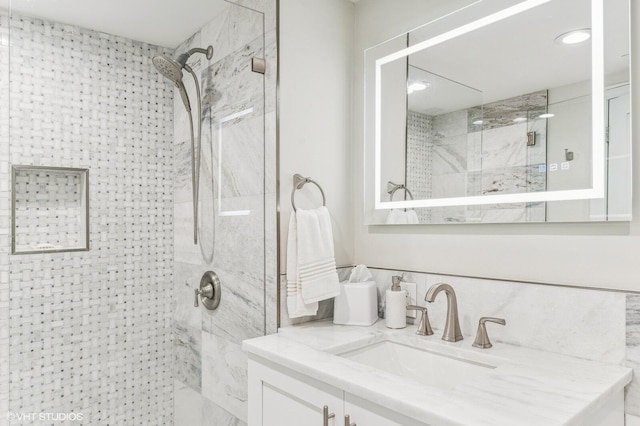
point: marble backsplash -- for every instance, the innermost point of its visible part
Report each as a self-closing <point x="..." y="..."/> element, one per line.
<point x="590" y="324"/>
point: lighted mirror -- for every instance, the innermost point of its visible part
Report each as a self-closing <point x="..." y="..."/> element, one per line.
<point x="502" y="112"/>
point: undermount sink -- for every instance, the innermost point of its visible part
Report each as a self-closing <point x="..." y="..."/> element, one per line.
<point x="431" y="368"/>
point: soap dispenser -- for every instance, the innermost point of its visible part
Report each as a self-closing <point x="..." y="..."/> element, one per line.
<point x="396" y="305"/>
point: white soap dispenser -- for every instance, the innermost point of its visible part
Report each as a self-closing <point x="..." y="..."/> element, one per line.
<point x="395" y="313"/>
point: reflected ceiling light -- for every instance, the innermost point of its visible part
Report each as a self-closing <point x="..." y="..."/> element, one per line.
<point x="547" y="115"/>
<point x="519" y="119"/>
<point x="478" y="122"/>
<point x="574" y="37"/>
<point x="416" y="86"/>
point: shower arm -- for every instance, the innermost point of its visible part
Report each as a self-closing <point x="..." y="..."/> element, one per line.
<point x="195" y="158"/>
<point x="198" y="50"/>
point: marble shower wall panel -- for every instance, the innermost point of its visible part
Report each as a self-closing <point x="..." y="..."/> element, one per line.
<point x="504" y="147"/>
<point x="94" y="324"/>
<point x="503" y="113"/>
<point x="229" y="87"/>
<point x="5" y="231"/>
<point x="238" y="165"/>
<point x="454" y="157"/>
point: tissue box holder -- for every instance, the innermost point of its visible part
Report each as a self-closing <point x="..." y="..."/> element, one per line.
<point x="357" y="304"/>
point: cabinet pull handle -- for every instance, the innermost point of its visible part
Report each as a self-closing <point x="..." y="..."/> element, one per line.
<point x="326" y="416"/>
<point x="347" y="421"/>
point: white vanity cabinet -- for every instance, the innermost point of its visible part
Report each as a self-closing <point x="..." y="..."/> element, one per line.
<point x="281" y="397"/>
<point x="294" y="374"/>
<point x="284" y="398"/>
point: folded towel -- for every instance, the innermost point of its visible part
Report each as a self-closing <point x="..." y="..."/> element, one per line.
<point x="295" y="305"/>
<point x="402" y="217"/>
<point x="316" y="257"/>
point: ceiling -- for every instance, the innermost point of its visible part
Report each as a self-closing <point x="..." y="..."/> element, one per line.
<point x="516" y="56"/>
<point x="161" y="22"/>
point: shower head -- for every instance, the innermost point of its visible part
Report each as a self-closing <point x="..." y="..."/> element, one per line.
<point x="173" y="71"/>
<point x="168" y="68"/>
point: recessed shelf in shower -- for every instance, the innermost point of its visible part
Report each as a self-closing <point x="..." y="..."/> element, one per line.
<point x="49" y="209"/>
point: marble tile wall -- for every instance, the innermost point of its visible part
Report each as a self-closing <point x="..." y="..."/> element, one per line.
<point x="90" y="332"/>
<point x="237" y="216"/>
<point x="457" y="157"/>
<point x="5" y="231"/>
<point x="589" y="324"/>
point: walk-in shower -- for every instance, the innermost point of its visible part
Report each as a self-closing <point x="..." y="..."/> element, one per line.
<point x="172" y="69"/>
<point x="119" y="340"/>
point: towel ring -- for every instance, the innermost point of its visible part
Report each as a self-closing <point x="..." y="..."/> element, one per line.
<point x="298" y="182"/>
<point x="393" y="187"/>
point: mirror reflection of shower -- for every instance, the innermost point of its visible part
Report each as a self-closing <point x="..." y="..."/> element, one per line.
<point x="172" y="69"/>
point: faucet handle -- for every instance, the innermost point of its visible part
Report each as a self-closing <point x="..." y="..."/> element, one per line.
<point x="482" y="338"/>
<point x="424" y="327"/>
<point x="197" y="293"/>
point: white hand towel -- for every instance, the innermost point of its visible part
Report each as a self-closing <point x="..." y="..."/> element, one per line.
<point x="401" y="217"/>
<point x="295" y="305"/>
<point x="316" y="256"/>
<point x="412" y="217"/>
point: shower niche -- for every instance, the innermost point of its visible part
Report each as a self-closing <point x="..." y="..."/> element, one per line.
<point x="49" y="209"/>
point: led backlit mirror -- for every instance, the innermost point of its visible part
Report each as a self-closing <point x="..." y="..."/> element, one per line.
<point x="502" y="112"/>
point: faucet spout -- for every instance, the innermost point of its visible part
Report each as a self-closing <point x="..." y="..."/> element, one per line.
<point x="452" y="331"/>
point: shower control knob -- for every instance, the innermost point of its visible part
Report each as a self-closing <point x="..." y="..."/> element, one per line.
<point x="208" y="292"/>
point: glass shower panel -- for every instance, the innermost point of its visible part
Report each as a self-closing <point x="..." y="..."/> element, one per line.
<point x="212" y="378"/>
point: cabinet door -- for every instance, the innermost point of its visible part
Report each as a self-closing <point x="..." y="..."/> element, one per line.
<point x="285" y="398"/>
<point x="365" y="413"/>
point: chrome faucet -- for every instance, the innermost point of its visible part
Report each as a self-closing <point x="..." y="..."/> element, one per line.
<point x="452" y="331"/>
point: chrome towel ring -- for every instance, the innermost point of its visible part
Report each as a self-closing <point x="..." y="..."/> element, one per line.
<point x="393" y="187"/>
<point x="298" y="182"/>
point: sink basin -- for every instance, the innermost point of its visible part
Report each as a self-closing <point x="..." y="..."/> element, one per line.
<point x="431" y="368"/>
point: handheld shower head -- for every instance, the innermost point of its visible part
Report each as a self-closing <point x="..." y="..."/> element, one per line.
<point x="168" y="68"/>
<point x="172" y="70"/>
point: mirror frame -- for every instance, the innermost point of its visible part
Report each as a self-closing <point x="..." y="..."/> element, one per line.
<point x="597" y="189"/>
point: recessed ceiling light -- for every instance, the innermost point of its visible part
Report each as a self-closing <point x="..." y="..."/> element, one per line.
<point x="519" y="119"/>
<point x="416" y="86"/>
<point x="574" y="37"/>
<point x="478" y="122"/>
<point x="547" y="115"/>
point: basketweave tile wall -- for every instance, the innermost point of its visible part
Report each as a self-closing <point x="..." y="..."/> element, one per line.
<point x="4" y="217"/>
<point x="49" y="209"/>
<point x="91" y="332"/>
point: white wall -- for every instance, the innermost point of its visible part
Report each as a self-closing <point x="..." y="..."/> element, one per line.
<point x="315" y="110"/>
<point x="593" y="254"/>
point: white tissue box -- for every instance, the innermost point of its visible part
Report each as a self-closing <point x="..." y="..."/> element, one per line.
<point x="357" y="304"/>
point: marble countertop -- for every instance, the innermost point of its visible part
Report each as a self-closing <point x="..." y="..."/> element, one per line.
<point x="528" y="387"/>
